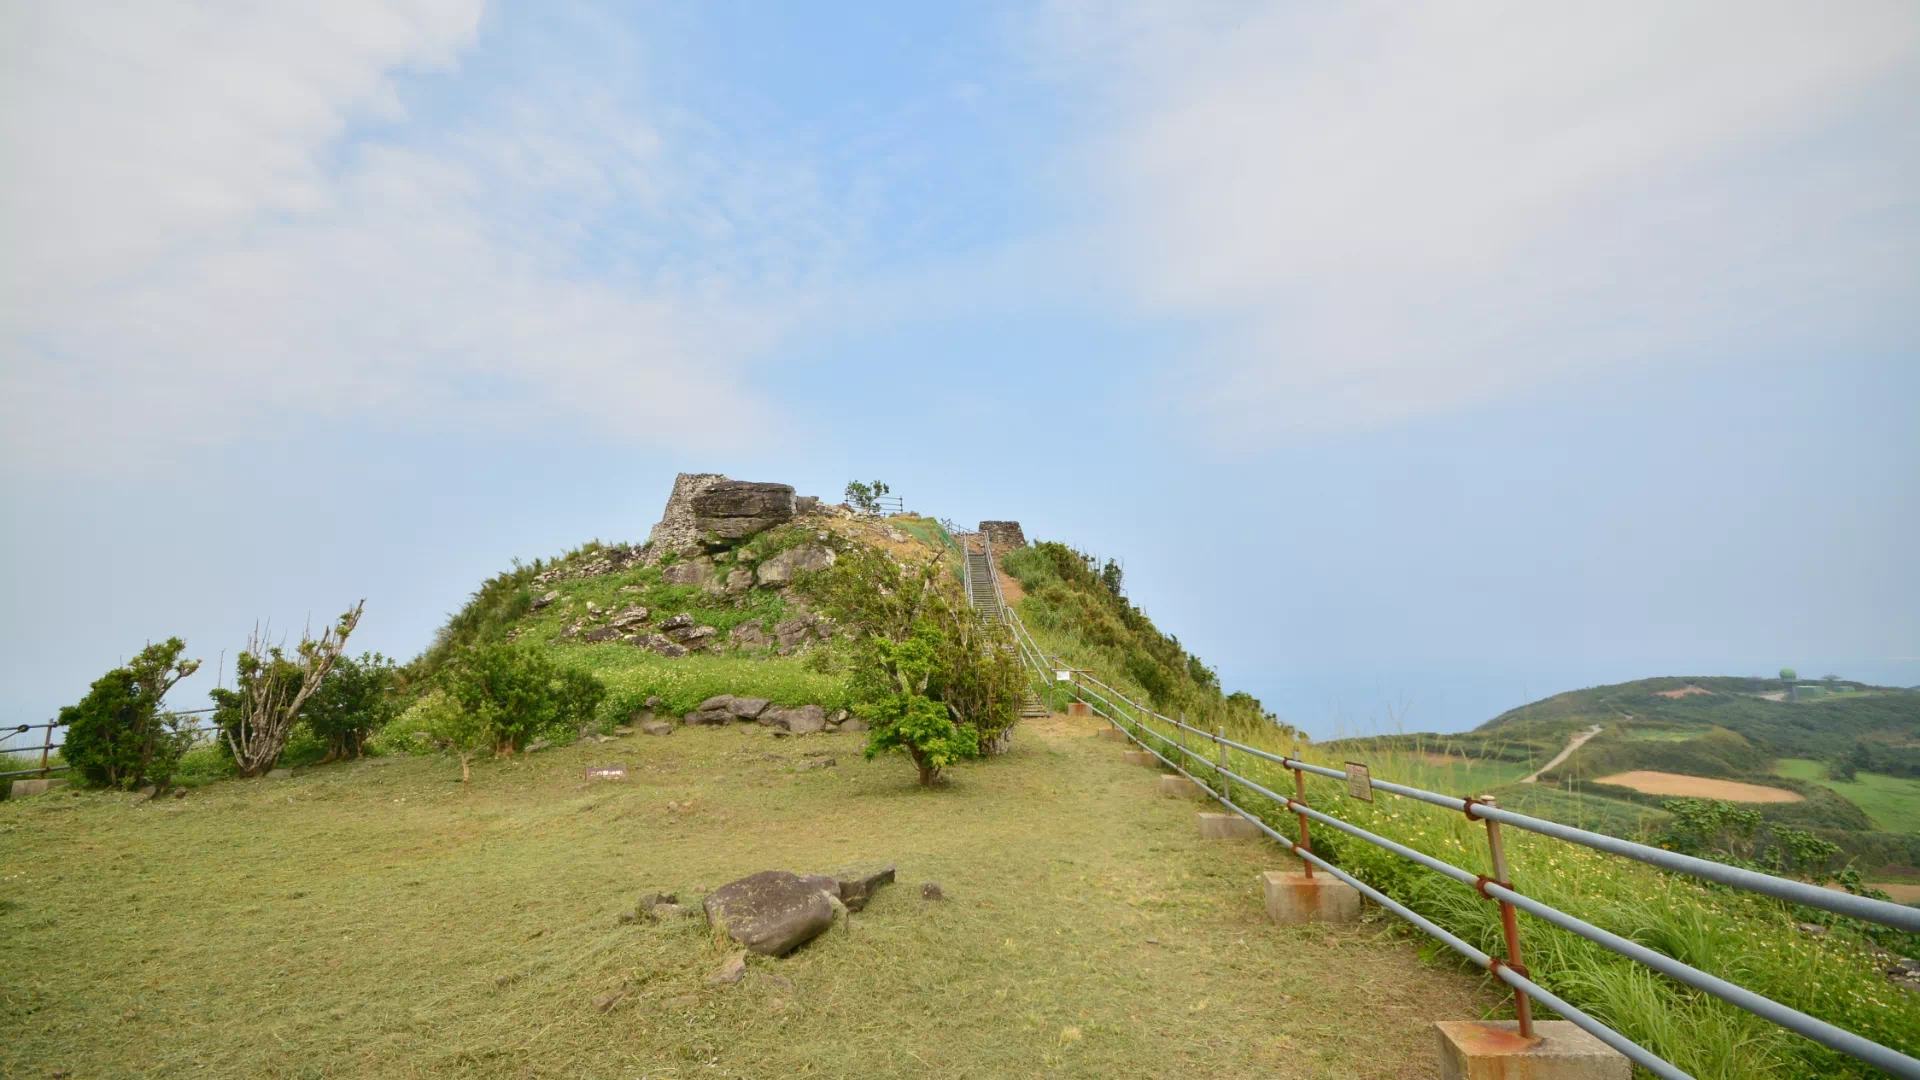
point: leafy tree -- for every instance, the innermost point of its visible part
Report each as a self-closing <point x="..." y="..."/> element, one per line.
<point x="934" y="680"/>
<point x="354" y="700"/>
<point x="866" y="497"/>
<point x="272" y="687"/>
<point x="908" y="720"/>
<point x="116" y="735"/>
<point x="1846" y="765"/>
<point x="462" y="733"/>
<point x="519" y="694"/>
<point x="1111" y="576"/>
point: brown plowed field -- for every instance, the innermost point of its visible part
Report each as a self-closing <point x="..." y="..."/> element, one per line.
<point x="1699" y="787"/>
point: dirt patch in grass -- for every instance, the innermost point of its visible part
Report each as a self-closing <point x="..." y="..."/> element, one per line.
<point x="378" y="919"/>
<point x="1685" y="691"/>
<point x="1699" y="787"/>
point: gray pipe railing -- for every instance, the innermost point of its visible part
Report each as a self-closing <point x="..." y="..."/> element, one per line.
<point x="1826" y="1034"/>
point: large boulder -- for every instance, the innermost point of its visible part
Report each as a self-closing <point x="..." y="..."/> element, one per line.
<point x="737" y="509"/>
<point x="799" y="630"/>
<point x="602" y="633"/>
<point x="771" y="912"/>
<point x="749" y="635"/>
<point x="777" y="572"/>
<point x="628" y="617"/>
<point x="748" y="708"/>
<point x="804" y="720"/>
<point x="689" y="572"/>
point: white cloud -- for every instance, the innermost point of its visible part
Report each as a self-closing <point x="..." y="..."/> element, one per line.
<point x="1383" y="209"/>
<point x="225" y="216"/>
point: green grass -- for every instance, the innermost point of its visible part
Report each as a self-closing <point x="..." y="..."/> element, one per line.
<point x="376" y="919"/>
<point x="632" y="675"/>
<point x="1893" y="802"/>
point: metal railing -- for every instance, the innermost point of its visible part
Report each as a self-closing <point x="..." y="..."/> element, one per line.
<point x="1499" y="888"/>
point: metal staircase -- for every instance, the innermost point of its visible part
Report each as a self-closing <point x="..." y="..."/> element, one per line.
<point x="983" y="592"/>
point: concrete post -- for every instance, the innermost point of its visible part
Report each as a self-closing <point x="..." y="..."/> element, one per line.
<point x="1227" y="827"/>
<point x="1495" y="1050"/>
<point x="1178" y="785"/>
<point x="1297" y="898"/>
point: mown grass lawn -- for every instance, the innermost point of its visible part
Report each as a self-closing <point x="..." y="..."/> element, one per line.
<point x="377" y="919"/>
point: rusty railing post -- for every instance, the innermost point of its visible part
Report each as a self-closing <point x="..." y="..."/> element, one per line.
<point x="1226" y="785"/>
<point x="1509" y="922"/>
<point x="1300" y="800"/>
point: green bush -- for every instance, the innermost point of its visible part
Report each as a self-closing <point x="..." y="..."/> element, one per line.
<point x="355" y="699"/>
<point x="117" y="736"/>
<point x="518" y="694"/>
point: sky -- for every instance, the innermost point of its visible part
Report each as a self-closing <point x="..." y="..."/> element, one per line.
<point x="1416" y="360"/>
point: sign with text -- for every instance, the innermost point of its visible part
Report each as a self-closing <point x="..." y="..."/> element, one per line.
<point x="606" y="772"/>
<point x="1359" y="784"/>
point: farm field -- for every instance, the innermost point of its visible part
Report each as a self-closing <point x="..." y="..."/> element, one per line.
<point x="378" y="919"/>
<point x="1893" y="802"/>
<point x="1456" y="775"/>
<point x="1653" y="782"/>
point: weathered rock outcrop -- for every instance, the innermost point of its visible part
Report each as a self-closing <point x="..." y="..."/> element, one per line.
<point x="676" y="531"/>
<point x="1005" y="535"/>
<point x="737" y="509"/>
<point x="777" y="572"/>
<point x="801" y="720"/>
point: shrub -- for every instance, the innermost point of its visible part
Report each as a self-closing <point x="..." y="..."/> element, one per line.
<point x="905" y="718"/>
<point x="271" y="689"/>
<point x="518" y="694"/>
<point x="116" y="735"/>
<point x="354" y="700"/>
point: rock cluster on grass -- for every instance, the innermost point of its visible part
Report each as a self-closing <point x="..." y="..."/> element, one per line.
<point x="774" y="912"/>
<point x="726" y="709"/>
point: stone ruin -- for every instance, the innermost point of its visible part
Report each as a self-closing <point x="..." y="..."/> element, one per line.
<point x="707" y="505"/>
<point x="1005" y="535"/>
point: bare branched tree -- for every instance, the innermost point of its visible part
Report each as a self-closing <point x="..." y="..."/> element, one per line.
<point x="273" y="687"/>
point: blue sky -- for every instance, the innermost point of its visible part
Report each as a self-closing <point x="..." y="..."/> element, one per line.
<point x="1414" y="360"/>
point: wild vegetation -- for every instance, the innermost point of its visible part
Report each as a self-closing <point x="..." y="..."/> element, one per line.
<point x="118" y="736"/>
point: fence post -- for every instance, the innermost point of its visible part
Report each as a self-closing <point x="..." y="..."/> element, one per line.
<point x="45" y="749"/>
<point x="1509" y="923"/>
<point x="1226" y="785"/>
<point x="1181" y="731"/>
<point x="1300" y="798"/>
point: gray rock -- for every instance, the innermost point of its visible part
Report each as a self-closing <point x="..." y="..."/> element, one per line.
<point x="930" y="890"/>
<point x="682" y="621"/>
<point x="653" y="702"/>
<point x="804" y="720"/>
<point x="857" y="887"/>
<point x="672" y="651"/>
<point x="817" y="763"/>
<point x="739" y="580"/>
<point x="600" y="633"/>
<point x="656" y="727"/>
<point x="853" y="725"/>
<point x="711" y="717"/>
<point x="718" y="701"/>
<point x="806" y="504"/>
<point x="690" y="572"/>
<point x="545" y="599"/>
<point x="838" y="716"/>
<point x="699" y="637"/>
<point x="737" y="509"/>
<point x="778" y="572"/>
<point x="797" y="631"/>
<point x="771" y="912"/>
<point x="746" y="708"/>
<point x="749" y="635"/>
<point x="632" y="615"/>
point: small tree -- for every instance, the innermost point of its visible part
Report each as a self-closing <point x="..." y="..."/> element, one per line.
<point x="116" y="735"/>
<point x="272" y="687"/>
<point x="464" y="734"/>
<point x="354" y="700"/>
<point x="866" y="497"/>
<point x="518" y="693"/>
<point x="907" y="719"/>
<point x="1111" y="575"/>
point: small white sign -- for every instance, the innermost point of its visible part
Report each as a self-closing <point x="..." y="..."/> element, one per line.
<point x="1063" y="676"/>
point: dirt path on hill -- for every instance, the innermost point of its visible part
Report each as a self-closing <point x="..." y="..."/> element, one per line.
<point x="1579" y="740"/>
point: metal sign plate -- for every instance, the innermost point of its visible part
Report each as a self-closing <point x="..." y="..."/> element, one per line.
<point x="1359" y="784"/>
<point x="606" y="772"/>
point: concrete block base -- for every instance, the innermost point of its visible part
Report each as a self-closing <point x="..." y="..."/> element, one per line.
<point x="24" y="788"/>
<point x="1494" y="1050"/>
<point x="1227" y="827"/>
<point x="1179" y="785"/>
<point x="1113" y="734"/>
<point x="1078" y="708"/>
<point x="1293" y="898"/>
<point x="1140" y="757"/>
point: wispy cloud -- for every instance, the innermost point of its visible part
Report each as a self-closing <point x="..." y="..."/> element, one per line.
<point x="1384" y="209"/>
<point x="223" y="216"/>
